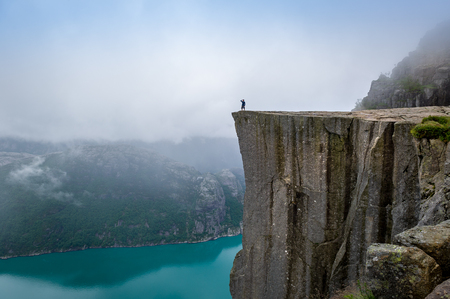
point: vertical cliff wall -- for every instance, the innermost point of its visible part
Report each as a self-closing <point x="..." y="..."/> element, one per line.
<point x="320" y="188"/>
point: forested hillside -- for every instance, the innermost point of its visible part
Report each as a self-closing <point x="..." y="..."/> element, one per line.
<point x="112" y="195"/>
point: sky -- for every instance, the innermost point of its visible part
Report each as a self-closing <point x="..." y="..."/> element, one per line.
<point x="153" y="70"/>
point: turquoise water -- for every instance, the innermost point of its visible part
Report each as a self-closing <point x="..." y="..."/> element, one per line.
<point x="180" y="271"/>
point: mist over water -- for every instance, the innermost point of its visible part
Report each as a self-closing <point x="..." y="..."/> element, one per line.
<point x="170" y="271"/>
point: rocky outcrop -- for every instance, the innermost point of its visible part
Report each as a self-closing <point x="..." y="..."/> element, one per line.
<point x="421" y="79"/>
<point x="210" y="207"/>
<point x="320" y="188"/>
<point x="433" y="240"/>
<point x="231" y="184"/>
<point x="400" y="272"/>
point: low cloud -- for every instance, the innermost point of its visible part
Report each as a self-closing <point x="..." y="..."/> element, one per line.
<point x="40" y="179"/>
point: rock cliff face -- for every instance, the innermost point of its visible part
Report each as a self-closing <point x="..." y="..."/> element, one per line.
<point x="322" y="186"/>
<point x="421" y="79"/>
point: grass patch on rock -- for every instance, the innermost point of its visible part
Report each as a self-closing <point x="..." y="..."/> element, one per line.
<point x="433" y="127"/>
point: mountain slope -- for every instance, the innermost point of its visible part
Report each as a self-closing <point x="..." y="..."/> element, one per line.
<point x="110" y="195"/>
<point x="420" y="79"/>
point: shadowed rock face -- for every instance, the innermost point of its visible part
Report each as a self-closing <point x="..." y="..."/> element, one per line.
<point x="320" y="188"/>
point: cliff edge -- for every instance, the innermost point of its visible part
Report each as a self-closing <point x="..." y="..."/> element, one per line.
<point x="322" y="186"/>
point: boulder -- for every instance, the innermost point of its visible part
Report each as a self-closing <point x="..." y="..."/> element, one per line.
<point x="400" y="272"/>
<point x="434" y="240"/>
<point x="442" y="291"/>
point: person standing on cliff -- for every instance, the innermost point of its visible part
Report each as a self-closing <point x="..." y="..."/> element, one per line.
<point x="243" y="104"/>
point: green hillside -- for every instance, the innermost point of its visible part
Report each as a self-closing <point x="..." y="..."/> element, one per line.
<point x="113" y="195"/>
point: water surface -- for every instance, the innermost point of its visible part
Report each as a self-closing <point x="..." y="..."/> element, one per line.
<point x="170" y="271"/>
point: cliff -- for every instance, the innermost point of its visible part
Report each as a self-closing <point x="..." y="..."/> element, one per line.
<point x="322" y="186"/>
<point x="420" y="79"/>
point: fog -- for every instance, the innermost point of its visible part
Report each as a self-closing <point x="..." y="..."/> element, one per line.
<point x="40" y="179"/>
<point x="169" y="70"/>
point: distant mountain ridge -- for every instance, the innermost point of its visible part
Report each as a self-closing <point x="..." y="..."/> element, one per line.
<point x="420" y="79"/>
<point x="203" y="153"/>
<point x="112" y="196"/>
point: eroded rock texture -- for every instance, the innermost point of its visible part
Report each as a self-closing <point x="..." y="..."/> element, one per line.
<point x="320" y="188"/>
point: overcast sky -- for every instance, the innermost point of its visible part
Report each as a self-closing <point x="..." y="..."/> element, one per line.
<point x="174" y="69"/>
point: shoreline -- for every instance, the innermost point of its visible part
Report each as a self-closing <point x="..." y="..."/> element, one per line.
<point x="120" y="246"/>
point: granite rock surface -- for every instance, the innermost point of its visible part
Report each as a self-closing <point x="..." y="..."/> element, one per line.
<point x="321" y="187"/>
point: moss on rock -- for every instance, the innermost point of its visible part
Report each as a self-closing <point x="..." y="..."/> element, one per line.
<point x="433" y="127"/>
